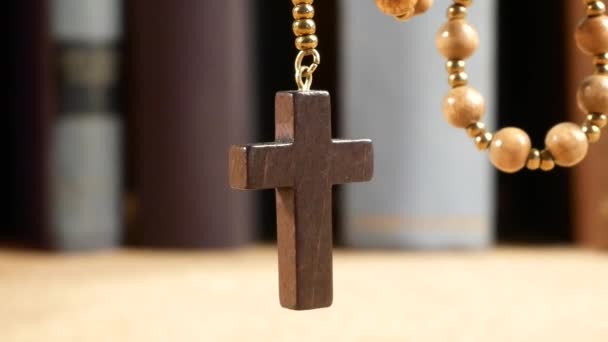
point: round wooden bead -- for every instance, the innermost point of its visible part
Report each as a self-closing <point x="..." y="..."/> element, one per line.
<point x="592" y="35"/>
<point x="567" y="143"/>
<point x="423" y="6"/>
<point x="463" y="106"/>
<point x="593" y="94"/>
<point x="457" y="40"/>
<point x="397" y="8"/>
<point x="510" y="149"/>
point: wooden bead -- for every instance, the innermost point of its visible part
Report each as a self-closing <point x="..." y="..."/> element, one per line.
<point x="510" y="149"/>
<point x="592" y="35"/>
<point x="592" y="94"/>
<point x="422" y="6"/>
<point x="457" y="40"/>
<point x="567" y="143"/>
<point x="463" y="106"/>
<point x="397" y="8"/>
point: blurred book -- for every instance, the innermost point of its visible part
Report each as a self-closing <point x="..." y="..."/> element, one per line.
<point x="190" y="96"/>
<point x="533" y="206"/>
<point x="31" y="115"/>
<point x="432" y="189"/>
<point x="589" y="185"/>
<point x="86" y="165"/>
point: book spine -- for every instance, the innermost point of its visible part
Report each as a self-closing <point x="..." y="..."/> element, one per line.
<point x="190" y="98"/>
<point x="32" y="120"/>
<point x="431" y="189"/>
<point x="589" y="185"/>
<point x="85" y="156"/>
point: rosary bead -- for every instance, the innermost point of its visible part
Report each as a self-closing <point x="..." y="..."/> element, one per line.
<point x="595" y="8"/>
<point x="308" y="42"/>
<point x="476" y="129"/>
<point x="423" y="6"/>
<point x="457" y="40"/>
<point x="303" y="11"/>
<point x="592" y="94"/>
<point x="463" y="106"/>
<point x="601" y="69"/>
<point x="457" y="12"/>
<point x="567" y="143"/>
<point x="592" y="35"/>
<point x="547" y="163"/>
<point x="592" y="132"/>
<point x="599" y="120"/>
<point x="455" y="65"/>
<point x="483" y="141"/>
<point x="404" y="9"/>
<point x="533" y="160"/>
<point x="458" y="79"/>
<point x="601" y="59"/>
<point x="302" y="2"/>
<point x="510" y="149"/>
<point x="304" y="27"/>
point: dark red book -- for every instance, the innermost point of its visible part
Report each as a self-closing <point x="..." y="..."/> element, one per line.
<point x="190" y="95"/>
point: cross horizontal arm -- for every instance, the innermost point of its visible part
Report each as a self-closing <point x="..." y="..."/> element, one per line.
<point x="261" y="166"/>
<point x="351" y="161"/>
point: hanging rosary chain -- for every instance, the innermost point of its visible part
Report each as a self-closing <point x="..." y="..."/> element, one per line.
<point x="305" y="29"/>
<point x="510" y="149"/>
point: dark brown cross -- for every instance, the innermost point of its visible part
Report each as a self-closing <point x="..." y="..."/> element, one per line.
<point x="303" y="165"/>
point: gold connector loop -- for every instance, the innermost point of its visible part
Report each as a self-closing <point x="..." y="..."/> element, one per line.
<point x="304" y="73"/>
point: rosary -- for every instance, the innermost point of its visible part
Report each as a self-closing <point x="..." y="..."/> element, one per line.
<point x="305" y="162"/>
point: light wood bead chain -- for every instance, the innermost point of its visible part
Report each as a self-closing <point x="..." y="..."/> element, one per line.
<point x="510" y="149"/>
<point x="305" y="29"/>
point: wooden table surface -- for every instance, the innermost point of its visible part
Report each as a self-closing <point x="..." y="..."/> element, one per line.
<point x="502" y="295"/>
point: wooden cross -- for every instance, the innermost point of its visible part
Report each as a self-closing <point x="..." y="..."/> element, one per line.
<point x="302" y="165"/>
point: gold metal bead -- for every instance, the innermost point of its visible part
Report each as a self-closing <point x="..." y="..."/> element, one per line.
<point x="457" y="12"/>
<point x="601" y="69"/>
<point x="458" y="79"/>
<point x="534" y="160"/>
<point x="465" y="3"/>
<point x="600" y="59"/>
<point x="302" y="2"/>
<point x="599" y="120"/>
<point x="476" y="129"/>
<point x="455" y="65"/>
<point x="595" y="8"/>
<point x="547" y="163"/>
<point x="304" y="27"/>
<point x="483" y="141"/>
<point x="593" y="132"/>
<point x="303" y="11"/>
<point x="308" y="42"/>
